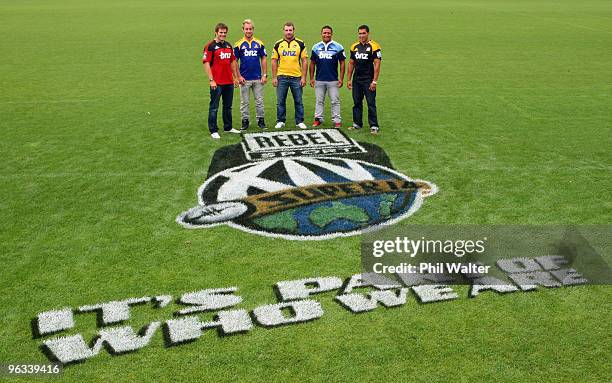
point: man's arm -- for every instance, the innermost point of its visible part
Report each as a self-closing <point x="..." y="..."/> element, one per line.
<point x="311" y="70"/>
<point x="274" y="71"/>
<point x="208" y="72"/>
<point x="341" y="78"/>
<point x="264" y="70"/>
<point x="376" y="72"/>
<point x="237" y="56"/>
<point x="304" y="71"/>
<point x="349" y="78"/>
<point x="237" y="76"/>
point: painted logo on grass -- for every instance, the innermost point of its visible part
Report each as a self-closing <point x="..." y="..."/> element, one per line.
<point x="304" y="185"/>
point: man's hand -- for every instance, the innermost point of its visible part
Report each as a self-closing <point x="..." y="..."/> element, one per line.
<point x="274" y="82"/>
<point x="312" y="82"/>
<point x="236" y="83"/>
<point x="349" y="84"/>
<point x="213" y="85"/>
<point x="302" y="82"/>
<point x="241" y="80"/>
<point x="264" y="80"/>
<point x="339" y="83"/>
<point x="372" y="86"/>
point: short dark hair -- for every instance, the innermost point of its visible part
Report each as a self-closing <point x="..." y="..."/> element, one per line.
<point x="327" y="27"/>
<point x="289" y="24"/>
<point x="220" y="26"/>
<point x="363" y="26"/>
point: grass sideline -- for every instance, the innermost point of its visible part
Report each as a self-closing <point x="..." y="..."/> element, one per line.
<point x="505" y="105"/>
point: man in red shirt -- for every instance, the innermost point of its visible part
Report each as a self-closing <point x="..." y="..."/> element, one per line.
<point x="222" y="70"/>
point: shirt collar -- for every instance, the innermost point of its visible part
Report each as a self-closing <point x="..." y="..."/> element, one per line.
<point x="328" y="44"/>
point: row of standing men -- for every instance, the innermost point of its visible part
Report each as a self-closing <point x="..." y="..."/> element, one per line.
<point x="244" y="65"/>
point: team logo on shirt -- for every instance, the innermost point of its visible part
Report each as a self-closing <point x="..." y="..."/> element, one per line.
<point x="304" y="185"/>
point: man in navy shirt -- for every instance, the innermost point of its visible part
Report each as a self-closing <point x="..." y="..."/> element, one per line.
<point x="251" y="53"/>
<point x="325" y="58"/>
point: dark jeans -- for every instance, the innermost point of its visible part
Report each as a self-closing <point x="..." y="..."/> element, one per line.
<point x="227" y="92"/>
<point x="360" y="89"/>
<point x="284" y="84"/>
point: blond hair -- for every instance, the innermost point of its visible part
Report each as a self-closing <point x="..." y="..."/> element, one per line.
<point x="248" y="21"/>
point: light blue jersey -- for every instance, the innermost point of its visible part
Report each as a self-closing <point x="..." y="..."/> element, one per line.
<point x="326" y="57"/>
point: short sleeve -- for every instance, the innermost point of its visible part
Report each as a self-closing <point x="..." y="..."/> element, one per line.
<point x="304" y="53"/>
<point x="341" y="55"/>
<point x="352" y="54"/>
<point x="275" y="53"/>
<point x="206" y="54"/>
<point x="376" y="51"/>
<point x="262" y="51"/>
<point x="237" y="51"/>
<point x="313" y="56"/>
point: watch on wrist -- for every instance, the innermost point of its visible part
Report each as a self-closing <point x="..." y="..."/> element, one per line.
<point x="374" y="82"/>
<point x="211" y="79"/>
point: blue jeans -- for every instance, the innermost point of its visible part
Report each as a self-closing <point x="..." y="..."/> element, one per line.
<point x="284" y="84"/>
<point x="227" y="93"/>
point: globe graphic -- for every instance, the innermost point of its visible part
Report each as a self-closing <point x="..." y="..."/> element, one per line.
<point x="337" y="216"/>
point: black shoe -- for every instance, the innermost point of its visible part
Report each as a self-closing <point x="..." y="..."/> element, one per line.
<point x="261" y="123"/>
<point x="245" y="124"/>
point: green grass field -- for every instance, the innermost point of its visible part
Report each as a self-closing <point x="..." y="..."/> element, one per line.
<point x="505" y="105"/>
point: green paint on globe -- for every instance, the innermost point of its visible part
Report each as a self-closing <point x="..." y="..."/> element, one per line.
<point x="386" y="204"/>
<point x="279" y="221"/>
<point x="325" y="215"/>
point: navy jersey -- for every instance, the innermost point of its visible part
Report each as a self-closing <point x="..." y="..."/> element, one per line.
<point x="363" y="56"/>
<point x="326" y="58"/>
<point x="249" y="55"/>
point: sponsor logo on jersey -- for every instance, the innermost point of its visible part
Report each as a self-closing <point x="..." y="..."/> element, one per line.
<point x="304" y="185"/>
<point x="249" y="53"/>
<point x="289" y="53"/>
<point x="326" y="55"/>
<point x="361" y="56"/>
<point x="225" y="55"/>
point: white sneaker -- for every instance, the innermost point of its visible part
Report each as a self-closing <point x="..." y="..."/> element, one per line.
<point x="374" y="130"/>
<point x="215" y="136"/>
<point x="236" y="131"/>
<point x="279" y="125"/>
<point x="301" y="125"/>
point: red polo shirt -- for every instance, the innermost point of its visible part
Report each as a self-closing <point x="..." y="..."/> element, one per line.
<point x="219" y="55"/>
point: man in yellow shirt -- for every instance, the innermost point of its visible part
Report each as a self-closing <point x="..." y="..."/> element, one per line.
<point x="289" y="65"/>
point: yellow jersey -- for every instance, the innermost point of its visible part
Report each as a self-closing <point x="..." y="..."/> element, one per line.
<point x="289" y="55"/>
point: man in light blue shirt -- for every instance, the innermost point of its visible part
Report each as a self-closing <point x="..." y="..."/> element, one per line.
<point x="325" y="57"/>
